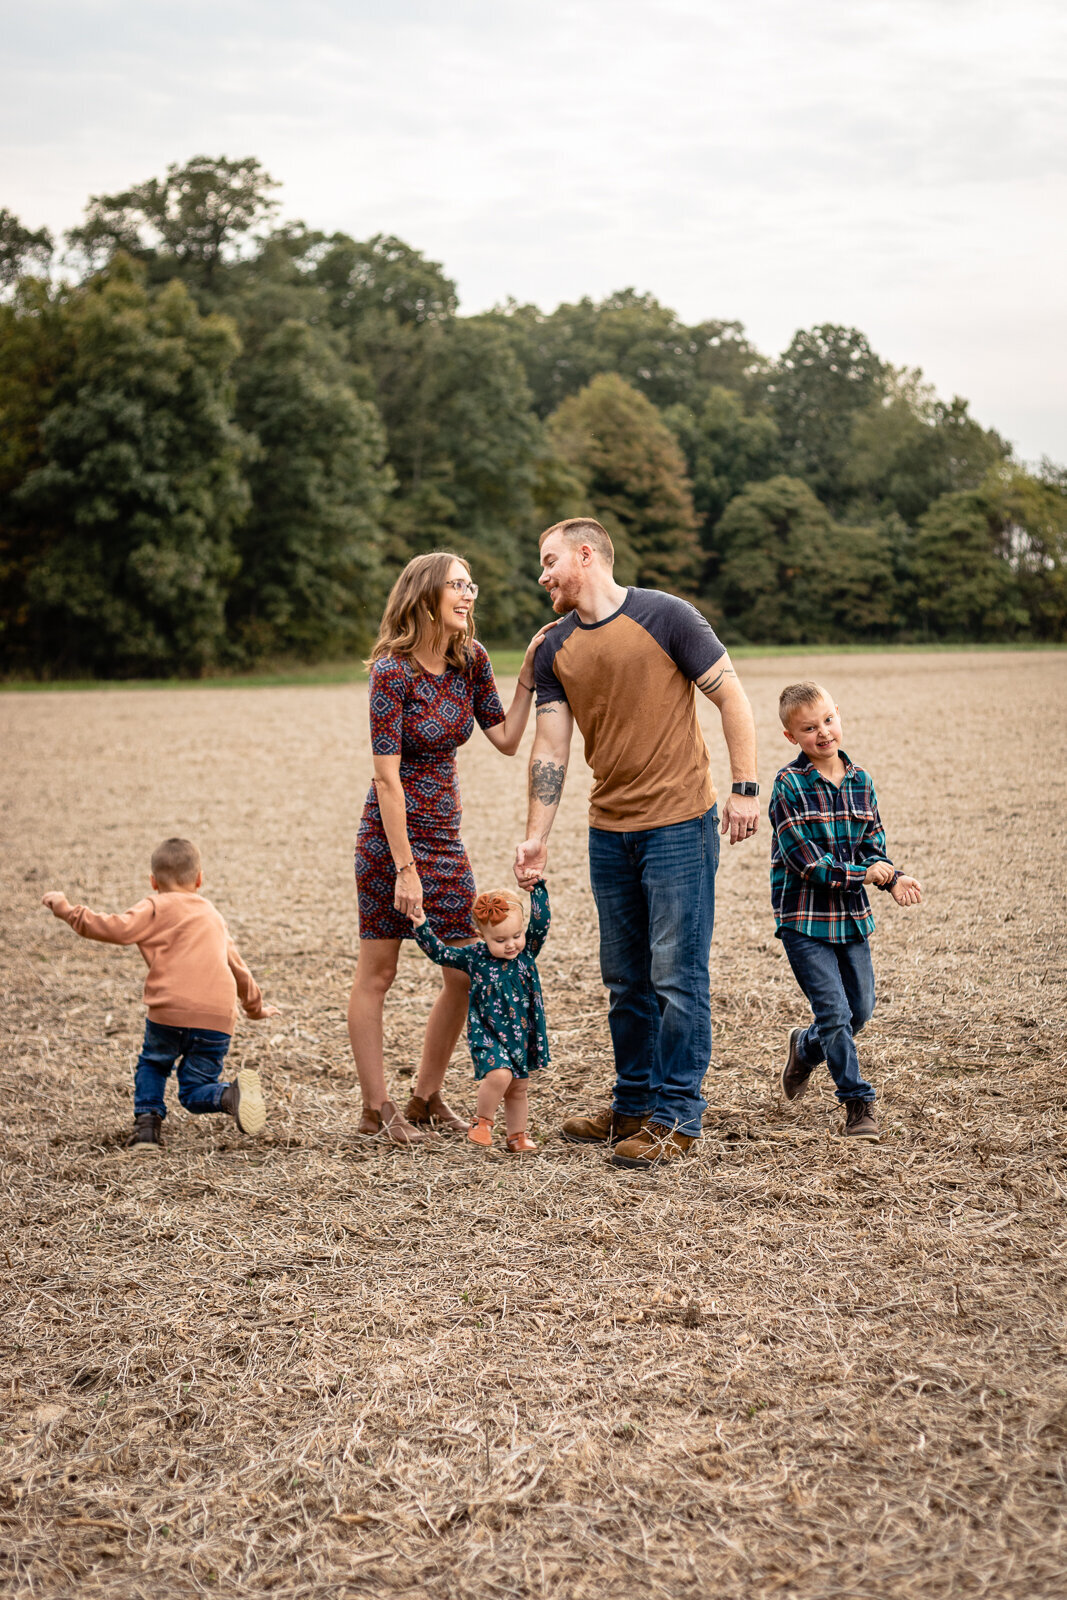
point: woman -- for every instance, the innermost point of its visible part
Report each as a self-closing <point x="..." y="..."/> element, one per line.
<point x="430" y="681"/>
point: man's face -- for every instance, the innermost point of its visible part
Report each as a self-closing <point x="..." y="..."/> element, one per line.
<point x="816" y="728"/>
<point x="561" y="572"/>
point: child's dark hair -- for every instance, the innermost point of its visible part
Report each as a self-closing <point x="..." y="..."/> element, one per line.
<point x="795" y="695"/>
<point x="176" y="862"/>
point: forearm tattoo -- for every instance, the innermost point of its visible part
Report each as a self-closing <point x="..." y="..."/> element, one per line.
<point x="711" y="681"/>
<point x="546" y="782"/>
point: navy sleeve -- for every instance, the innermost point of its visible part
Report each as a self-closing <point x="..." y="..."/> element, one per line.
<point x="679" y="629"/>
<point x="548" y="686"/>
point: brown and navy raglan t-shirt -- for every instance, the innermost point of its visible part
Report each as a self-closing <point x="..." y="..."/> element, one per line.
<point x="629" y="682"/>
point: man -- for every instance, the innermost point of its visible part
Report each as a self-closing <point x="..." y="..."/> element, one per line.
<point x="623" y="665"/>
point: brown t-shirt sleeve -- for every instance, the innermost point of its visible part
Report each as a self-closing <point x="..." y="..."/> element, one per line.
<point x="120" y="927"/>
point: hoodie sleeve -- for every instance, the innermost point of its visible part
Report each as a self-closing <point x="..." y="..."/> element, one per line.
<point x="248" y="989"/>
<point x="120" y="927"/>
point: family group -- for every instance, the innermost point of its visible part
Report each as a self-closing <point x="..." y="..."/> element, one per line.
<point x="626" y="665"/>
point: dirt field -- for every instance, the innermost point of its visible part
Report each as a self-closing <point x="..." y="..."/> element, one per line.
<point x="316" y="1366"/>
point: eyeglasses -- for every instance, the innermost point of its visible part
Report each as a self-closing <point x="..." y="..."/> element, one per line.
<point x="462" y="586"/>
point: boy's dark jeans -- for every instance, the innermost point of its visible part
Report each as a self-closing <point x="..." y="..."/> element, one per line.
<point x="838" y="980"/>
<point x="199" y="1053"/>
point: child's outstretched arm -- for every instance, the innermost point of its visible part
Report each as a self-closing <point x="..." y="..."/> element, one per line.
<point x="906" y="891"/>
<point x="540" y="917"/>
<point x="445" y="955"/>
<point x="121" y="927"/>
<point x="248" y="990"/>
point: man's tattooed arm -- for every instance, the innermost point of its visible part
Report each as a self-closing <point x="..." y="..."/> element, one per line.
<point x="546" y="782"/>
<point x="715" y="679"/>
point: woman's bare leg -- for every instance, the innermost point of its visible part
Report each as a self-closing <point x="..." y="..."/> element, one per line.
<point x="443" y="1028"/>
<point x="375" y="971"/>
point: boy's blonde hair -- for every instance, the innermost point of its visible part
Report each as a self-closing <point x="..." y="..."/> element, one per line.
<point x="176" y="861"/>
<point x="495" y="906"/>
<point x="795" y="695"/>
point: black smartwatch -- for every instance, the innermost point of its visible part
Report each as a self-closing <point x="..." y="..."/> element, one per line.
<point x="744" y="788"/>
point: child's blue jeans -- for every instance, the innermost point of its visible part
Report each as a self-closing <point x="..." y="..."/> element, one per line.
<point x="199" y="1053"/>
<point x="838" y="980"/>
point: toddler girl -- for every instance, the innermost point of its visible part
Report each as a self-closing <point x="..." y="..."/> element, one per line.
<point x="506" y="1015"/>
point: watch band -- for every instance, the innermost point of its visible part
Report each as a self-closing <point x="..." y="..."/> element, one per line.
<point x="744" y="788"/>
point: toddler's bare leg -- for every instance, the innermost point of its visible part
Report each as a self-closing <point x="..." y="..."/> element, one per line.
<point x="491" y="1090"/>
<point x="516" y="1107"/>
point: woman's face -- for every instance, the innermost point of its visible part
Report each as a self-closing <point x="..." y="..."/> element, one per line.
<point x="455" y="605"/>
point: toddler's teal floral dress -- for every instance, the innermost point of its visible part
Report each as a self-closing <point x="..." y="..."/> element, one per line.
<point x="506" y="1014"/>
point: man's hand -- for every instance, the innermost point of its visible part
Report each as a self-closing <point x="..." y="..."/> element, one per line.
<point x="56" y="901"/>
<point x="879" y="872"/>
<point x="907" y="891"/>
<point x="740" y="816"/>
<point x="530" y="860"/>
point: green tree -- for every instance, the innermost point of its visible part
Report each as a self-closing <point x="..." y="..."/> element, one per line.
<point x="186" y="224"/>
<point x="616" y="441"/>
<point x="817" y="387"/>
<point x="790" y="575"/>
<point x="310" y="579"/>
<point x="21" y="250"/>
<point x="725" y="448"/>
<point x="962" y="581"/>
<point x="139" y="487"/>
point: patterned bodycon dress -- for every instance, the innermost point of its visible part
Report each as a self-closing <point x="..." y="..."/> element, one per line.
<point x="423" y="719"/>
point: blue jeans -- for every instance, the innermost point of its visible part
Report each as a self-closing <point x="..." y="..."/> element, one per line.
<point x="838" y="980"/>
<point x="655" y="898"/>
<point x="199" y="1052"/>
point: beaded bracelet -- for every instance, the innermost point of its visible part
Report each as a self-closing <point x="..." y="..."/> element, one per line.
<point x="405" y="867"/>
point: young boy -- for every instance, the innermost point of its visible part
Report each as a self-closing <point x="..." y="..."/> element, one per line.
<point x="195" y="977"/>
<point x="828" y="842"/>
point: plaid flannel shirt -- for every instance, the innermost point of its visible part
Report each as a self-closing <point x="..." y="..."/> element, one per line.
<point x="824" y="840"/>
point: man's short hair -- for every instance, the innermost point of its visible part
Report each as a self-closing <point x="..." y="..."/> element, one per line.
<point x="585" y="530"/>
<point x="176" y="861"/>
<point x="795" y="695"/>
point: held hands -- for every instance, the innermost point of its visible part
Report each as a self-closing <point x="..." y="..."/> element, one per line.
<point x="879" y="872"/>
<point x="907" y="891"/>
<point x="531" y="858"/>
<point x="407" y="897"/>
<point x="740" y="817"/>
<point x="56" y="901"/>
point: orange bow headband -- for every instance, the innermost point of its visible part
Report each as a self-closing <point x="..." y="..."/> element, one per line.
<point x="495" y="907"/>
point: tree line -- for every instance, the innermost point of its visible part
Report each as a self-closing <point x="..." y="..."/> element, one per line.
<point x="221" y="437"/>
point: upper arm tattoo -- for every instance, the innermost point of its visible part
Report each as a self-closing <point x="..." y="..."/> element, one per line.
<point x="543" y="711"/>
<point x="546" y="781"/>
<point x="712" y="680"/>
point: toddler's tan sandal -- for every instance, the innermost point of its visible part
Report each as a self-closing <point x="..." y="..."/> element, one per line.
<point x="480" y="1132"/>
<point x="520" y="1144"/>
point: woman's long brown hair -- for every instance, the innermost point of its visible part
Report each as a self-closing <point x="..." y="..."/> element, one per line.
<point x="410" y="618"/>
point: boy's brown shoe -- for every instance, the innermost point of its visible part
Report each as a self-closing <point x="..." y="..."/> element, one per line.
<point x="652" y="1146"/>
<point x="603" y="1127"/>
<point x="860" y="1120"/>
<point x="147" y="1136"/>
<point x="796" y="1077"/>
<point x="243" y="1100"/>
<point x="433" y="1113"/>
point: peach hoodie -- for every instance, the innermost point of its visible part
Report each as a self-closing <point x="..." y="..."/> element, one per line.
<point x="195" y="973"/>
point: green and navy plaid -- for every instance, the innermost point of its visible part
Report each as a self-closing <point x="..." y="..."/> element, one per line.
<point x="824" y="840"/>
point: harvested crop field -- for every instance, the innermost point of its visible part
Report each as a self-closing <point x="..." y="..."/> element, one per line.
<point x="311" y="1365"/>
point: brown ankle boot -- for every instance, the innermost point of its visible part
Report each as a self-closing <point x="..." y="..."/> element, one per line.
<point x="388" y="1122"/>
<point x="434" y="1113"/>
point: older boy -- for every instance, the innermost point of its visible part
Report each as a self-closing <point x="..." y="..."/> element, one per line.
<point x="195" y="976"/>
<point x="828" y="842"/>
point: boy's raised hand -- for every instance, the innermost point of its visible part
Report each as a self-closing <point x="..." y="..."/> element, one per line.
<point x="54" y="900"/>
<point x="907" y="891"/>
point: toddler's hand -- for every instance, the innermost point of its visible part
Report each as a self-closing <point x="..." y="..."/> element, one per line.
<point x="418" y="917"/>
<point x="55" y="899"/>
<point x="907" y="891"/>
<point x="879" y="872"/>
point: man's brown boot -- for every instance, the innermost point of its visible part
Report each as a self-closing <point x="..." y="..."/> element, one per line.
<point x="653" y="1146"/>
<point x="388" y="1122"/>
<point x="433" y="1113"/>
<point x="603" y="1127"/>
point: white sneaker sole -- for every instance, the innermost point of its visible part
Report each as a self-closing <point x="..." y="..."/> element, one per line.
<point x="251" y="1115"/>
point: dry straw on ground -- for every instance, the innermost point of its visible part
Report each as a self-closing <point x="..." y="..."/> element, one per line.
<point x="314" y="1366"/>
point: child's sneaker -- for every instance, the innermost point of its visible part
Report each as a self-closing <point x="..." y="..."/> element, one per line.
<point x="147" y="1136"/>
<point x="243" y="1100"/>
<point x="796" y="1077"/>
<point x="481" y="1132"/>
<point x="860" y="1120"/>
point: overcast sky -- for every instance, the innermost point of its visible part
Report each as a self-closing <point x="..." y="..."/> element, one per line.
<point x="896" y="166"/>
